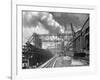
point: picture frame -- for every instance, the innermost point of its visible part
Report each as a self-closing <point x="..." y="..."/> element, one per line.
<point x="16" y="60"/>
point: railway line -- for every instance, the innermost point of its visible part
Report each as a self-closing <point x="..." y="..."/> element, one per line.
<point x="57" y="61"/>
<point x="50" y="63"/>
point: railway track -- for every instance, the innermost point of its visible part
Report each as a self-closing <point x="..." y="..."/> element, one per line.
<point x="50" y="63"/>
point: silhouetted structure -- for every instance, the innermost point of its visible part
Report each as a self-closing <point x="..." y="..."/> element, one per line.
<point x="33" y="55"/>
<point x="36" y="40"/>
<point x="81" y="39"/>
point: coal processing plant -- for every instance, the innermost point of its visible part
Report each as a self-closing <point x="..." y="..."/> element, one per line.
<point x="55" y="39"/>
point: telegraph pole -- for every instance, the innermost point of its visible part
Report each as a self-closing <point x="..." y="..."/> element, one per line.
<point x="73" y="36"/>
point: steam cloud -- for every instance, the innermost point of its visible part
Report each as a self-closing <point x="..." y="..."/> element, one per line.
<point x="34" y="19"/>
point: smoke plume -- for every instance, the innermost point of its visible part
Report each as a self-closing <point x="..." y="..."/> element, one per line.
<point x="34" y="19"/>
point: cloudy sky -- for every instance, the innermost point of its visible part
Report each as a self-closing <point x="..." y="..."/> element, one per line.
<point x="50" y="22"/>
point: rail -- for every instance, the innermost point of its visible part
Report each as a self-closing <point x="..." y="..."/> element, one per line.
<point x="48" y="63"/>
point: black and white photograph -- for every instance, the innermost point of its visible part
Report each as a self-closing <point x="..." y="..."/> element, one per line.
<point x="55" y="39"/>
